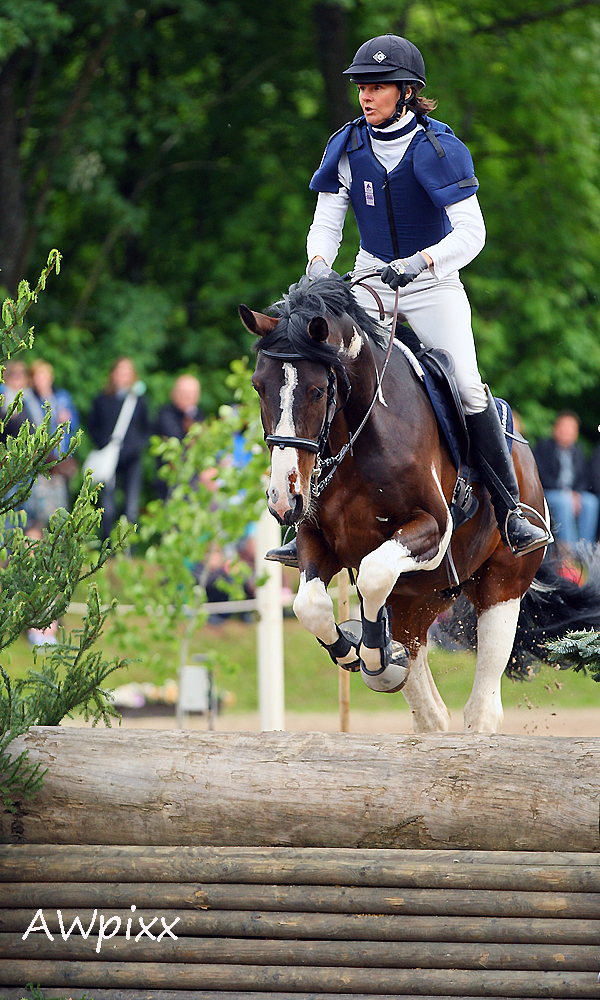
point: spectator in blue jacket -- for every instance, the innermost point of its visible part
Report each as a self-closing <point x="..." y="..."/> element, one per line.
<point x="565" y="475"/>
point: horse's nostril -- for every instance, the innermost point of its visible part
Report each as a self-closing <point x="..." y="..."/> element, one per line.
<point x="273" y="494"/>
<point x="294" y="514"/>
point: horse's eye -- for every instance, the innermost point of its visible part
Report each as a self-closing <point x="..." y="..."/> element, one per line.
<point x="319" y="393"/>
<point x="255" y="387"/>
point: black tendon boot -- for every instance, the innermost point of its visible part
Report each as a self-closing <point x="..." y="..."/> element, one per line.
<point x="490" y="453"/>
<point x="286" y="554"/>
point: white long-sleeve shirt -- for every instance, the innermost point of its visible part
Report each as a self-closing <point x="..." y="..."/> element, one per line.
<point x="454" y="251"/>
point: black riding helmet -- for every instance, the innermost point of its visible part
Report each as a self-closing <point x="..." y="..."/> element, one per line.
<point x="387" y="59"/>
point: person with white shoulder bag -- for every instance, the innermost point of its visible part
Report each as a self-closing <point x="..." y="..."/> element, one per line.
<point x="119" y="427"/>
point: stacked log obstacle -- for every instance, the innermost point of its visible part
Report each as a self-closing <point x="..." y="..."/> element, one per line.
<point x="297" y="923"/>
<point x="310" y="790"/>
<point x="294" y="866"/>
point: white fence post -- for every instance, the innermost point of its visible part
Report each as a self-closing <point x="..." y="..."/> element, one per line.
<point x="269" y="631"/>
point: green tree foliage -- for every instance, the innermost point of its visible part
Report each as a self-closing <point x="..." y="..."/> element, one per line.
<point x="579" y="650"/>
<point x="216" y="491"/>
<point x="38" y="578"/>
<point x="168" y="149"/>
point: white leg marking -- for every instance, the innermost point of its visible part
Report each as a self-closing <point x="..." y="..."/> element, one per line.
<point x="429" y="713"/>
<point x="313" y="608"/>
<point x="495" y="636"/>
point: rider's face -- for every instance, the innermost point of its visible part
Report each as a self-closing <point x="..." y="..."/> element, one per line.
<point x="378" y="101"/>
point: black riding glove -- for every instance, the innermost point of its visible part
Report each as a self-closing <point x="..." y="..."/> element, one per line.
<point x="398" y="273"/>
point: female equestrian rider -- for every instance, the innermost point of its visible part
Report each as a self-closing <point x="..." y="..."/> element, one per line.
<point x="411" y="185"/>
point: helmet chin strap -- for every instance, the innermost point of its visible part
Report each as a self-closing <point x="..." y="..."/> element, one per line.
<point x="401" y="103"/>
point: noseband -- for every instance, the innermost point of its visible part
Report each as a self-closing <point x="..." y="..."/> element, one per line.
<point x="307" y="444"/>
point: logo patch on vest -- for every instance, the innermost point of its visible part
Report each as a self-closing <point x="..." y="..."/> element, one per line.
<point x="379" y="56"/>
<point x="369" y="194"/>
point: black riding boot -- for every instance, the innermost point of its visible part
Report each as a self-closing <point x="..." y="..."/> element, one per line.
<point x="490" y="452"/>
<point x="286" y="554"/>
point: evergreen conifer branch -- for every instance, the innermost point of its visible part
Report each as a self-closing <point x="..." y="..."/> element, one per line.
<point x="13" y="313"/>
<point x="38" y="578"/>
<point x="580" y="650"/>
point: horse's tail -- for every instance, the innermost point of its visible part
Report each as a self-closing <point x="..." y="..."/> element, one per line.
<point x="563" y="597"/>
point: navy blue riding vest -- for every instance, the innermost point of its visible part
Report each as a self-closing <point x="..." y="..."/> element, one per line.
<point x="402" y="212"/>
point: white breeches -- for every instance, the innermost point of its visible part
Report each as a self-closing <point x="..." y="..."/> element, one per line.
<point x="439" y="313"/>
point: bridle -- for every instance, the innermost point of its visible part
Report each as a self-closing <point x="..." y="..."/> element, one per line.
<point x="307" y="444"/>
<point x="318" y="447"/>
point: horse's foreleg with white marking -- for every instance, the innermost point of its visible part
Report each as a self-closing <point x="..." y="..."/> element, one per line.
<point x="495" y="637"/>
<point x="313" y="607"/>
<point x="429" y="713"/>
<point x="419" y="545"/>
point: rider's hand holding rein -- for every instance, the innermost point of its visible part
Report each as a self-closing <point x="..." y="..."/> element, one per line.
<point x="318" y="268"/>
<point x="400" y="273"/>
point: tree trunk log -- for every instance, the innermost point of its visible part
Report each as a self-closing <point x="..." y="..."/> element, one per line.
<point x="243" y="978"/>
<point x="308" y="899"/>
<point x="253" y="924"/>
<point x="310" y="790"/>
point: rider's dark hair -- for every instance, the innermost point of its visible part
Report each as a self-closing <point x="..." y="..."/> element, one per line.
<point x="422" y="106"/>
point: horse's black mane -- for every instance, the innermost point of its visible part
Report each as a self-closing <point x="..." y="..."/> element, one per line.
<point x="329" y="296"/>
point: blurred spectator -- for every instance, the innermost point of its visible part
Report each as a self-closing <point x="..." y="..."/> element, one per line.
<point x="103" y="418"/>
<point x="49" y="494"/>
<point x="565" y="476"/>
<point x="62" y="407"/>
<point x="595" y="473"/>
<point x="175" y="418"/>
<point x="16" y="379"/>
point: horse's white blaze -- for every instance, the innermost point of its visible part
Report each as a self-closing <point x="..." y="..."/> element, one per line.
<point x="285" y="482"/>
<point x="286" y="396"/>
<point x="313" y="607"/>
<point x="495" y="636"/>
<point x="429" y="713"/>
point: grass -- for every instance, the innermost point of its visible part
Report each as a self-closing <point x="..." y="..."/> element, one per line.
<point x="311" y="680"/>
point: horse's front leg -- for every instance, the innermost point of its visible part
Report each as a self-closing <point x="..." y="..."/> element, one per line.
<point x="313" y="606"/>
<point x="419" y="545"/>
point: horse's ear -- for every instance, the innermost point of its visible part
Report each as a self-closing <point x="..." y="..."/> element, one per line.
<point x="256" y="323"/>
<point x="318" y="328"/>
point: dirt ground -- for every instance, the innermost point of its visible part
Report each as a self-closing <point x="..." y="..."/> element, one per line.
<point x="541" y="722"/>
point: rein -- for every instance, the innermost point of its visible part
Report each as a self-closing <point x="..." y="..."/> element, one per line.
<point x="332" y="463"/>
<point x="317" y="447"/>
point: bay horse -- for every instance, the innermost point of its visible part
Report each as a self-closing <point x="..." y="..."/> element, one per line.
<point x="359" y="465"/>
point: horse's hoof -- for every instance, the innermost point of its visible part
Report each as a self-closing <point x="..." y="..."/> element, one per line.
<point x="391" y="678"/>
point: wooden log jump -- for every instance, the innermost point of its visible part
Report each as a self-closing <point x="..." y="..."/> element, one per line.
<point x="292" y="866"/>
<point x="313" y="938"/>
<point x="310" y="790"/>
